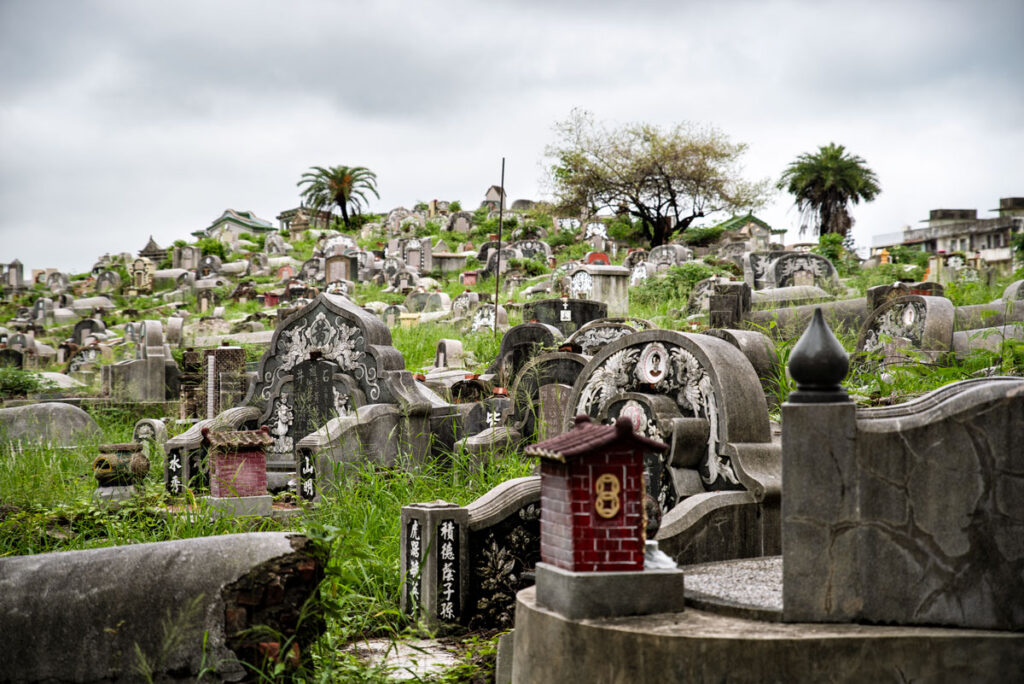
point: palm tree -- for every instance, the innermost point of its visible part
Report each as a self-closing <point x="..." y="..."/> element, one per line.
<point x="346" y="186"/>
<point x="824" y="184"/>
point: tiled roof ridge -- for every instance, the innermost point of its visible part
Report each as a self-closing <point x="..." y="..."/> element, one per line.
<point x="586" y="435"/>
<point x="238" y="439"/>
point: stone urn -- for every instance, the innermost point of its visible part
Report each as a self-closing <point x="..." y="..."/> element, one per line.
<point x="120" y="465"/>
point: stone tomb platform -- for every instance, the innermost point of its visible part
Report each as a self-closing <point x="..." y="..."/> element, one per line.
<point x="731" y="630"/>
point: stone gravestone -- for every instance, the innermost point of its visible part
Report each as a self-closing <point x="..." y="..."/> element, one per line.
<point x="258" y="265"/>
<point x="449" y="354"/>
<point x="85" y="328"/>
<point x="418" y="253"/>
<point x="42" y="311"/>
<point x="396" y="414"/>
<point x="638" y="274"/>
<point x="634" y="257"/>
<point x="14" y="276"/>
<point x="728" y="303"/>
<point x="506" y="255"/>
<point x="796" y="268"/>
<point x="416" y="301"/>
<point x="663" y="257"/>
<point x="341" y="267"/>
<point x="484" y="318"/>
<point x="438" y="302"/>
<point x="312" y="270"/>
<point x="592" y="336"/>
<point x="568" y="315"/>
<point x="697" y="393"/>
<point x="464" y="304"/>
<point x="187" y="257"/>
<point x="209" y="266"/>
<point x="140" y="276"/>
<point x="206" y="301"/>
<point x="391" y="268"/>
<point x="338" y="244"/>
<point x="145" y="378"/>
<point x="393" y="315"/>
<point x="880" y="294"/>
<point x="597" y="233"/>
<point x="275" y="246"/>
<point x="367" y="262"/>
<point x="58" y="283"/>
<point x="541" y="391"/>
<point x="108" y="282"/>
<point x="84" y="359"/>
<point x="922" y="326"/>
<point x="314" y="397"/>
<point x="607" y="284"/>
<point x="433" y="559"/>
<point x="520" y="344"/>
<point x="460" y="222"/>
<point x="11" y="358"/>
<point x="533" y="249"/>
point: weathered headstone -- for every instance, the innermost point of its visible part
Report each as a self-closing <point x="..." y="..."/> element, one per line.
<point x="568" y="315"/>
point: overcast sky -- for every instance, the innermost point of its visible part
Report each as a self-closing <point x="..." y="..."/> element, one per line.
<point x="127" y="118"/>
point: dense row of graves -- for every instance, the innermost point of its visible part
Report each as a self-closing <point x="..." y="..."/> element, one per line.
<point x="656" y="447"/>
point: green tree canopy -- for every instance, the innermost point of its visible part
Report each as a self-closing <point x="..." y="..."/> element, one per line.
<point x="825" y="183"/>
<point x="344" y="186"/>
<point x="665" y="178"/>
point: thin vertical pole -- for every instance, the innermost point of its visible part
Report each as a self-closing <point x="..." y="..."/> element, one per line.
<point x="501" y="222"/>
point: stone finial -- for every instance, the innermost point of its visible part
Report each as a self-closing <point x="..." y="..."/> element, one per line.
<point x="818" y="363"/>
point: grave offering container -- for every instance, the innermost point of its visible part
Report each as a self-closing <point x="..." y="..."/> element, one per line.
<point x="592" y="525"/>
<point x="120" y="465"/>
<point x="592" y="496"/>
<point x="239" y="469"/>
<point x="568" y="315"/>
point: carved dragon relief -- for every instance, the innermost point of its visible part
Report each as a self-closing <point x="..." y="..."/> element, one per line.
<point x="281" y="416"/>
<point x="788" y="266"/>
<point x="592" y="339"/>
<point x="678" y="374"/>
<point x="902" y="319"/>
<point x="334" y="339"/>
<point x="759" y="266"/>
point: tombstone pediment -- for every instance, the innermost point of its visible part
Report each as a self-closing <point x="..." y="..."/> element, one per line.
<point x="326" y="360"/>
<point x="354" y="339"/>
<point x="532" y="248"/>
<point x="703" y="384"/>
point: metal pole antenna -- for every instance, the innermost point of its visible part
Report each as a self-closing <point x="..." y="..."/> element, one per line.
<point x="501" y="221"/>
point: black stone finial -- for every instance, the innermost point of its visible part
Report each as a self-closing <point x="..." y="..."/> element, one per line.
<point x="818" y="363"/>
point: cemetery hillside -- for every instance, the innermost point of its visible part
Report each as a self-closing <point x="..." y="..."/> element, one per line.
<point x="628" y="434"/>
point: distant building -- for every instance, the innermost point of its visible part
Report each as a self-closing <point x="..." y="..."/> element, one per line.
<point x="153" y="251"/>
<point x="750" y="230"/>
<point x="960" y="230"/>
<point x="300" y="219"/>
<point x="494" y="198"/>
<point x="231" y="224"/>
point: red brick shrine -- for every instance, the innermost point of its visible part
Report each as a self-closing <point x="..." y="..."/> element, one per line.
<point x="592" y="496"/>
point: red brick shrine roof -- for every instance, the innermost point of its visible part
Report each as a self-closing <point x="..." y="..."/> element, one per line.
<point x="238" y="440"/>
<point x="587" y="436"/>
